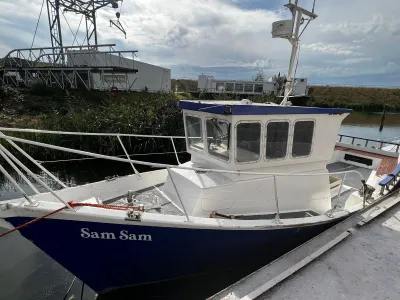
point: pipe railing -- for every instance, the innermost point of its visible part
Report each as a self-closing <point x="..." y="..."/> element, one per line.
<point x="149" y="164"/>
<point x="367" y="141"/>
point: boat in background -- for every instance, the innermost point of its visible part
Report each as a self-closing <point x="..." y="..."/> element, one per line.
<point x="262" y="180"/>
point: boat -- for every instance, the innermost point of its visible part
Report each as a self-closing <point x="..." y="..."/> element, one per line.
<point x="262" y="179"/>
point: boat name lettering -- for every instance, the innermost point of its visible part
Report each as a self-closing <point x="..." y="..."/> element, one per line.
<point x="124" y="235"/>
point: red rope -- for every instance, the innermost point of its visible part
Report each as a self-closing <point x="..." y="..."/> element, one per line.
<point x="72" y="204"/>
<point x="106" y="206"/>
<point x="32" y="221"/>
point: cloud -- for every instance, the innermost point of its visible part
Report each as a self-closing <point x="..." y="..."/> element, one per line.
<point x="350" y="61"/>
<point x="231" y="38"/>
<point x="378" y="24"/>
<point x="335" y="49"/>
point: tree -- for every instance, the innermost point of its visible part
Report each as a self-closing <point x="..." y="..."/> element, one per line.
<point x="259" y="76"/>
<point x="279" y="83"/>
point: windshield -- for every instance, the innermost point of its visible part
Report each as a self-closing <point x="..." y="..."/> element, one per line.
<point x="218" y="138"/>
<point x="194" y="133"/>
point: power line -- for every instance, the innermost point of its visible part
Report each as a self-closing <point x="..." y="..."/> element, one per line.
<point x="37" y="24"/>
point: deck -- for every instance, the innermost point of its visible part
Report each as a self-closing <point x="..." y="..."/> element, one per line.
<point x="153" y="199"/>
<point x="387" y="165"/>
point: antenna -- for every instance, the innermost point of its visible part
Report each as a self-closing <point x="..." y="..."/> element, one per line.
<point x="289" y="29"/>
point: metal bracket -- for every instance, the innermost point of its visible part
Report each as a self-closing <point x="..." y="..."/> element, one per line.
<point x="277" y="219"/>
<point x="5" y="206"/>
<point x="133" y="215"/>
<point x="33" y="204"/>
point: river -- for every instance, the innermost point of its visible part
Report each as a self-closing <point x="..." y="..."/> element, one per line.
<point x="27" y="273"/>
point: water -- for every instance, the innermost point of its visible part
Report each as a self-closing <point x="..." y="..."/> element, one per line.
<point x="27" y="273"/>
<point x="367" y="126"/>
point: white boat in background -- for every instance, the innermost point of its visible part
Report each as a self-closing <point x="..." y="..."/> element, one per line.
<point x="262" y="179"/>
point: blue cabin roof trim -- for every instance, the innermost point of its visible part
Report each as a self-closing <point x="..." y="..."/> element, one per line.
<point x="254" y="109"/>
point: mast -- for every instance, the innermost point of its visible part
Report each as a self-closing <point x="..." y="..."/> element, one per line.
<point x="289" y="29"/>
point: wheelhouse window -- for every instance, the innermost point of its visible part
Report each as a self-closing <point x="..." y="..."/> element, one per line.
<point x="248" y="137"/>
<point x="302" y="138"/>
<point x="194" y="133"/>
<point x="277" y="138"/>
<point x="218" y="138"/>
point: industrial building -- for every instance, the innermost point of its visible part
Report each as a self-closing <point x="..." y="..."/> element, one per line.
<point x="147" y="77"/>
<point x="210" y="84"/>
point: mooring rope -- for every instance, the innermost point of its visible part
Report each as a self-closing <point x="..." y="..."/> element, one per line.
<point x="73" y="204"/>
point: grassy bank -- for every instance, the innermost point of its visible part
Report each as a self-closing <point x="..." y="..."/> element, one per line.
<point x="140" y="113"/>
<point x="357" y="98"/>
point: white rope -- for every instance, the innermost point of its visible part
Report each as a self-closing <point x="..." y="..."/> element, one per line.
<point x="88" y="133"/>
<point x="159" y="165"/>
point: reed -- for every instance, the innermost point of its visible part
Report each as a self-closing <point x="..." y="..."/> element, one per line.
<point x="358" y="98"/>
<point x="139" y="113"/>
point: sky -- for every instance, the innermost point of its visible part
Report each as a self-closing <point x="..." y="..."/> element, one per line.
<point x="352" y="42"/>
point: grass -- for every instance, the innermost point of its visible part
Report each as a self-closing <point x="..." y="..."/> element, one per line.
<point x="358" y="98"/>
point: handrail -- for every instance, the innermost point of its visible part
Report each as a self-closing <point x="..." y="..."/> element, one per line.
<point x="368" y="140"/>
<point x="8" y="55"/>
<point x="88" y="133"/>
<point x="160" y="165"/>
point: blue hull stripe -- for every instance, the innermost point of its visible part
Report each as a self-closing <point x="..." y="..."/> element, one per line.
<point x="106" y="264"/>
<point x="255" y="109"/>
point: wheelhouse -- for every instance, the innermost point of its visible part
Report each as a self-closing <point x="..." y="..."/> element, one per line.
<point x="243" y="135"/>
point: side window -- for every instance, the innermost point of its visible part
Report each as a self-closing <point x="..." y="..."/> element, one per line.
<point x="302" y="138"/>
<point x="248" y="137"/>
<point x="277" y="138"/>
<point x="194" y="133"/>
<point x="218" y="138"/>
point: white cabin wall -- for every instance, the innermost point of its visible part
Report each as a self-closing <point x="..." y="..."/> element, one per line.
<point x="188" y="188"/>
<point x="324" y="140"/>
<point x="257" y="196"/>
<point x="325" y="135"/>
<point x="203" y="193"/>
